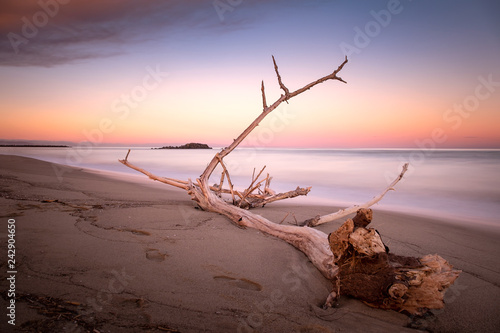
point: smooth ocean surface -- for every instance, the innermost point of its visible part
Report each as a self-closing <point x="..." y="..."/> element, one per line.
<point x="460" y="185"/>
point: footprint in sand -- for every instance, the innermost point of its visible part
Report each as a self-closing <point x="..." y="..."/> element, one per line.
<point x="136" y="232"/>
<point x="155" y="255"/>
<point x="239" y="283"/>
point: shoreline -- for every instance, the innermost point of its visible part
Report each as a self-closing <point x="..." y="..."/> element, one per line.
<point x="424" y="191"/>
<point x="138" y="255"/>
<point x="313" y="200"/>
<point x="482" y="220"/>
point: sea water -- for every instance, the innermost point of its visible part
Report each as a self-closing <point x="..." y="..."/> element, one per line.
<point x="456" y="184"/>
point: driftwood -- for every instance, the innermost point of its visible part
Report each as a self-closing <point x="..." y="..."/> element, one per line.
<point x="354" y="258"/>
<point x="368" y="271"/>
<point x="347" y="211"/>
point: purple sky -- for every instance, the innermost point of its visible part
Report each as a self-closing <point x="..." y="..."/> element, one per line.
<point x="168" y="72"/>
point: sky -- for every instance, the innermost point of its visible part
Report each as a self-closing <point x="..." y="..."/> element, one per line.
<point x="420" y="74"/>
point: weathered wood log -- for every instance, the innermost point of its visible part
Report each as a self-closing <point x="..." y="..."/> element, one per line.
<point x="354" y="257"/>
<point x="313" y="243"/>
<point x="369" y="272"/>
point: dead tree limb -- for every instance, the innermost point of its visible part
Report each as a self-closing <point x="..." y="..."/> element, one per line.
<point x="230" y="183"/>
<point x="264" y="103"/>
<point x="224" y="152"/>
<point x="282" y="86"/>
<point x="169" y="181"/>
<point x="354" y="258"/>
<point x="368" y="271"/>
<point x="315" y="221"/>
<point x="252" y="187"/>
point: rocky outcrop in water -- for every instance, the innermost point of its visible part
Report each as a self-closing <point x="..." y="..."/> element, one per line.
<point x="191" y="145"/>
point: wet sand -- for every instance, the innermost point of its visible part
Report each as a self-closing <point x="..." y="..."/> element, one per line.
<point x="95" y="252"/>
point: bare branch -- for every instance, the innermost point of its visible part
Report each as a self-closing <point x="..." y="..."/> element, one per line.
<point x="254" y="179"/>
<point x="280" y="196"/>
<point x="224" y="152"/>
<point x="344" y="212"/>
<point x="247" y="200"/>
<point x="332" y="76"/>
<point x="248" y="193"/>
<point x="282" y="86"/>
<point x="267" y="190"/>
<point x="228" y="178"/>
<point x="221" y="184"/>
<point x="284" y="218"/>
<point x="169" y="181"/>
<point x="264" y="104"/>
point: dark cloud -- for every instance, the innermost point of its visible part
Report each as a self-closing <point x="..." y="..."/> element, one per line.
<point x="53" y="32"/>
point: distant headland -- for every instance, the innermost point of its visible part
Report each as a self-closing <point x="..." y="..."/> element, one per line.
<point x="36" y="146"/>
<point x="191" y="145"/>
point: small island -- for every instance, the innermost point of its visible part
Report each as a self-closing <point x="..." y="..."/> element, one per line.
<point x="191" y="145"/>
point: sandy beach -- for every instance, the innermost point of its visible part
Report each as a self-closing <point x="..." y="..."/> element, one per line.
<point x="96" y="253"/>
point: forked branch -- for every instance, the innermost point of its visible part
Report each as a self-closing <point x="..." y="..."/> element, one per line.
<point x="215" y="161"/>
<point x="282" y="86"/>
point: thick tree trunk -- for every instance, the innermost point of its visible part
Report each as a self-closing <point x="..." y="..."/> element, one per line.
<point x="368" y="271"/>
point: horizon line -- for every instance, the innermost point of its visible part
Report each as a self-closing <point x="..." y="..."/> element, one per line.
<point x="73" y="144"/>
